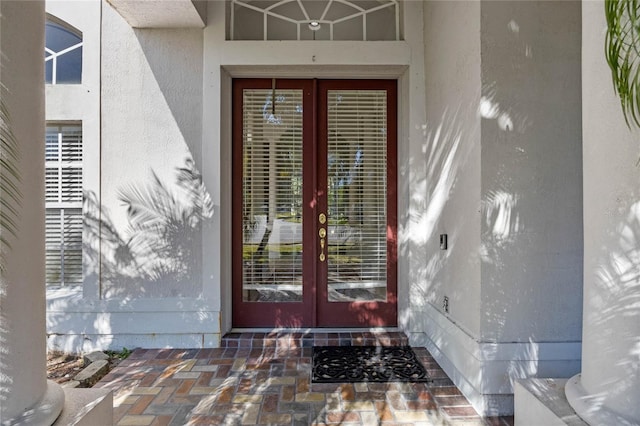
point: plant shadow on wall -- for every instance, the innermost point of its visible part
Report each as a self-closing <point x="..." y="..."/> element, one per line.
<point x="616" y="309"/>
<point x="444" y="198"/>
<point x="505" y="196"/>
<point x="501" y="222"/>
<point x="531" y="216"/>
<point x="159" y="254"/>
<point x="447" y="148"/>
<point x="505" y="263"/>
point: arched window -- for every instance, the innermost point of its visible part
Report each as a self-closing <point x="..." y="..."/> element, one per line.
<point x="62" y="54"/>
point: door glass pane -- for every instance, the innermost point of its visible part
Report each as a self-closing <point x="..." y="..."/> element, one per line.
<point x="357" y="195"/>
<point x="272" y="196"/>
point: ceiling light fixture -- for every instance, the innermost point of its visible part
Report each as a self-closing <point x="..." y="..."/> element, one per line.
<point x="314" y="25"/>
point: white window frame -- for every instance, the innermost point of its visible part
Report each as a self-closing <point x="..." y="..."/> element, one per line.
<point x="62" y="206"/>
<point x="52" y="56"/>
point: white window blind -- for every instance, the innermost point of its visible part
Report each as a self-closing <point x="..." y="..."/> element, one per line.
<point x="272" y="195"/>
<point x="63" y="197"/>
<point x="357" y="194"/>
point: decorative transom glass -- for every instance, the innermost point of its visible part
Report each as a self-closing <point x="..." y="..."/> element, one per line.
<point x="366" y="20"/>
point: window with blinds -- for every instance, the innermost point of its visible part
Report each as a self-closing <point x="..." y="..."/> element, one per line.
<point x="272" y="195"/>
<point x="357" y="193"/>
<point x="63" y="198"/>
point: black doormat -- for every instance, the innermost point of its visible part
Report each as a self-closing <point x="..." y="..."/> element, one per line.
<point x="340" y="364"/>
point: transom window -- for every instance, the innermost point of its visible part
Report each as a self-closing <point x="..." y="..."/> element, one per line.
<point x="315" y="20"/>
<point x="62" y="54"/>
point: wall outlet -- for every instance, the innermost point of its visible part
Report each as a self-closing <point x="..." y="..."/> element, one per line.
<point x="443" y="242"/>
<point x="445" y="304"/>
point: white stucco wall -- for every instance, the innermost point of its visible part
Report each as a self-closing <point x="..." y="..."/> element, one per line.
<point x="503" y="152"/>
<point x="531" y="172"/>
<point x="165" y="94"/>
<point x="488" y="153"/>
<point x="611" y="336"/>
<point x="141" y="108"/>
<point x="451" y="143"/>
<point x="81" y="103"/>
<point x="151" y="123"/>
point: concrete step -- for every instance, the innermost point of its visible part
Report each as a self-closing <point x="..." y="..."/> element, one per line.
<point x="543" y="402"/>
<point x="86" y="407"/>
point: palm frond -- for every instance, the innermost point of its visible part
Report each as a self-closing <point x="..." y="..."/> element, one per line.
<point x="622" y="51"/>
<point x="9" y="181"/>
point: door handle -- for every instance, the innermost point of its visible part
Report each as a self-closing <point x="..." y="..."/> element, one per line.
<point x="322" y="233"/>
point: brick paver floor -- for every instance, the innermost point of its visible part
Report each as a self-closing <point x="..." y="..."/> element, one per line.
<point x="265" y="379"/>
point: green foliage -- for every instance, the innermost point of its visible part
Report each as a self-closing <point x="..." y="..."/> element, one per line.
<point x="123" y="354"/>
<point x="622" y="50"/>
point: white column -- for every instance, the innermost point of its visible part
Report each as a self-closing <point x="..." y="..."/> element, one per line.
<point x="25" y="395"/>
<point x="607" y="391"/>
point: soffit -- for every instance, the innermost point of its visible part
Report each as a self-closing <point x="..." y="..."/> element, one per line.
<point x="162" y="13"/>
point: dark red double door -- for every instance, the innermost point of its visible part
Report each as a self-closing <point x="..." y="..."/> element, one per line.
<point x="314" y="203"/>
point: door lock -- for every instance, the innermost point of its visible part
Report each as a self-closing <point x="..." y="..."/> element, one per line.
<point x="322" y="233"/>
<point x="322" y="218"/>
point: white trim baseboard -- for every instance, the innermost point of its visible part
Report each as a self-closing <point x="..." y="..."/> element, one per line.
<point x="485" y="372"/>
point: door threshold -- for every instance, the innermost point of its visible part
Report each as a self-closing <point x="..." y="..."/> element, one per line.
<point x="313" y="329"/>
<point x="287" y="339"/>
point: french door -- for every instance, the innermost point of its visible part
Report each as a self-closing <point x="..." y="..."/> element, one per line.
<point x="314" y="203"/>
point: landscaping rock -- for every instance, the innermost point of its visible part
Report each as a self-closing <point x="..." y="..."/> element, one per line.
<point x="71" y="384"/>
<point x="94" y="356"/>
<point x="94" y="372"/>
